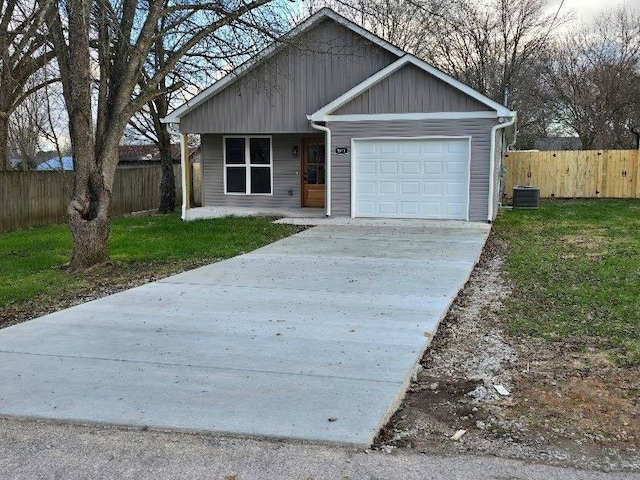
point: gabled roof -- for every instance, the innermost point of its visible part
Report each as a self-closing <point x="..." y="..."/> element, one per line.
<point x="324" y="114"/>
<point x="319" y="16"/>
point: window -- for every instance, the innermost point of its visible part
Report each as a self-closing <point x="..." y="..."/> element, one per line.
<point x="248" y="165"/>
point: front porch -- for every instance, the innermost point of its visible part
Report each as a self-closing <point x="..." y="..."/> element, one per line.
<point x="226" y="211"/>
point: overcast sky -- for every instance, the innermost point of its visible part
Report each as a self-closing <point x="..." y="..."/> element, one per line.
<point x="587" y="9"/>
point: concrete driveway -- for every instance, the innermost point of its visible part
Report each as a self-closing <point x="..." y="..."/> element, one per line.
<point x="314" y="337"/>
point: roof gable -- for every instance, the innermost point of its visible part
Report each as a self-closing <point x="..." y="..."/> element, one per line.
<point x="311" y="22"/>
<point x="277" y="94"/>
<point x="410" y="89"/>
<point x="449" y="85"/>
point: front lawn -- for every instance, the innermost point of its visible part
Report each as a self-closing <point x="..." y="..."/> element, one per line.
<point x="575" y="271"/>
<point x="142" y="249"/>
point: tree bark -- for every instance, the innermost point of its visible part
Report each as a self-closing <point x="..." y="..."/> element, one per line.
<point x="4" y="142"/>
<point x="89" y="220"/>
<point x="168" y="182"/>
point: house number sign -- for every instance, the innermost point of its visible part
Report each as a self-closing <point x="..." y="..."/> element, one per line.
<point x="341" y="150"/>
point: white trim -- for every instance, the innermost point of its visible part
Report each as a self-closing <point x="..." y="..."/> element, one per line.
<point x="354" y="151"/>
<point x="383" y="117"/>
<point x="353" y="176"/>
<point x="327" y="157"/>
<point x="203" y="96"/>
<point x="469" y="179"/>
<point x="346" y="97"/>
<point x="492" y="165"/>
<point x="184" y="164"/>
<point x="247" y="165"/>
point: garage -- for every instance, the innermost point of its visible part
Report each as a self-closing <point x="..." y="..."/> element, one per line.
<point x="411" y="178"/>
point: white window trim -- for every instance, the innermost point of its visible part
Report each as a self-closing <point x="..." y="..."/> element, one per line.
<point x="247" y="165"/>
<point x="354" y="151"/>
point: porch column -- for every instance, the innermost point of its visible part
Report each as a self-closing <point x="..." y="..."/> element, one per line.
<point x="186" y="174"/>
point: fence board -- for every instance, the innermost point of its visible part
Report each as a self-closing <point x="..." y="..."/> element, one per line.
<point x="31" y="199"/>
<point x="575" y="174"/>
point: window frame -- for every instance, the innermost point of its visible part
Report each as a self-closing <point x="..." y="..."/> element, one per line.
<point x="247" y="165"/>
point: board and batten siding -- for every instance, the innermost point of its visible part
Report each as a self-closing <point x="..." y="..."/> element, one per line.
<point x="478" y="129"/>
<point x="411" y="90"/>
<point x="276" y="95"/>
<point x="286" y="175"/>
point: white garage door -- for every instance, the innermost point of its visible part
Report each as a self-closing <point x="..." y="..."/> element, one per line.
<point x="411" y="178"/>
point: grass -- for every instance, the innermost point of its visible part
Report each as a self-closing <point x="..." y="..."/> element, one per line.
<point x="574" y="266"/>
<point x="32" y="260"/>
<point x="575" y="270"/>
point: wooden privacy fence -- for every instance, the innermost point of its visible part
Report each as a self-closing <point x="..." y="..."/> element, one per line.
<point x="31" y="199"/>
<point x="575" y="174"/>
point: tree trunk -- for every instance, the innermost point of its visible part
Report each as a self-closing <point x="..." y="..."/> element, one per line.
<point x="168" y="183"/>
<point x="89" y="219"/>
<point x="4" y="142"/>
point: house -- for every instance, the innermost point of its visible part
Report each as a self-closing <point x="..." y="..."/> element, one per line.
<point x="333" y="117"/>
<point x="144" y="155"/>
<point x="56" y="163"/>
<point x="129" y="156"/>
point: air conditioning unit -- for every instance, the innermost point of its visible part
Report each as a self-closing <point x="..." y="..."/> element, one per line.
<point x="526" y="197"/>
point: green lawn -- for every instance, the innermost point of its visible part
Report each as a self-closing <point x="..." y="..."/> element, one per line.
<point x="32" y="261"/>
<point x="575" y="271"/>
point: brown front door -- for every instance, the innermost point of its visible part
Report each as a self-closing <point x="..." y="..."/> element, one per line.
<point x="313" y="173"/>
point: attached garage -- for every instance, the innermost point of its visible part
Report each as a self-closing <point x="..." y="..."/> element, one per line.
<point x="411" y="178"/>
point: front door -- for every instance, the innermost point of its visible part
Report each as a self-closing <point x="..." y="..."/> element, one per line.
<point x="313" y="173"/>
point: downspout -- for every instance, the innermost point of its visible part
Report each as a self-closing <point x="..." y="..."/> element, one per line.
<point x="492" y="164"/>
<point x="327" y="156"/>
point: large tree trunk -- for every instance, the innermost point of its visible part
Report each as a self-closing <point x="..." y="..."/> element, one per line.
<point x="168" y="183"/>
<point x="4" y="141"/>
<point x="89" y="219"/>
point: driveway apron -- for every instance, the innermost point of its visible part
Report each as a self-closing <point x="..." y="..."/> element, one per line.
<point x="314" y="337"/>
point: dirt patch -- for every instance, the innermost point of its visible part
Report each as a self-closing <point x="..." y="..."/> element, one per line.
<point x="565" y="405"/>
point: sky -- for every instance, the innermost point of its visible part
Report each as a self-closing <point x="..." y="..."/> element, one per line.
<point x="586" y="10"/>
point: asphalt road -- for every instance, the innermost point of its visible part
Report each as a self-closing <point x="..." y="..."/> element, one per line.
<point x="43" y="450"/>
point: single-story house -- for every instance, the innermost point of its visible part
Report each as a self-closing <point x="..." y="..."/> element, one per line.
<point x="333" y="117"/>
<point x="144" y="155"/>
<point x="56" y="163"/>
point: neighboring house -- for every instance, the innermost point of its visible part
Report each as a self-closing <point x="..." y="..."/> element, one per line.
<point x="56" y="163"/>
<point x="129" y="156"/>
<point x="334" y="117"/>
<point x="557" y="143"/>
<point x="144" y="155"/>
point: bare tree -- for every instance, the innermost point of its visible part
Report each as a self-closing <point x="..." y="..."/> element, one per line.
<point x="487" y="44"/>
<point x="124" y="34"/>
<point x="24" y="49"/>
<point x="594" y="79"/>
<point x="408" y="25"/>
<point x="25" y="125"/>
<point x="215" y="53"/>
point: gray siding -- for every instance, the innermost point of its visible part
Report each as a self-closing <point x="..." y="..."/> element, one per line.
<point x="478" y="129"/>
<point x="286" y="175"/>
<point x="277" y="95"/>
<point x="411" y="90"/>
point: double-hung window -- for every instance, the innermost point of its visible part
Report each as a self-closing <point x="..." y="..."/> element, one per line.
<point x="248" y="166"/>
